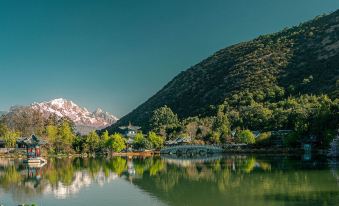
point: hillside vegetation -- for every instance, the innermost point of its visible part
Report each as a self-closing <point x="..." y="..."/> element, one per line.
<point x="273" y="75"/>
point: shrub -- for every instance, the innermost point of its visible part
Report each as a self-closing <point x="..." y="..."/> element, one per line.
<point x="245" y="136"/>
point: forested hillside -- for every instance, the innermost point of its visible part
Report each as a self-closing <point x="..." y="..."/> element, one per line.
<point x="269" y="74"/>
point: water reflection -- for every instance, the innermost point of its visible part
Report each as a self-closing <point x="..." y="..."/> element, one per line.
<point x="235" y="180"/>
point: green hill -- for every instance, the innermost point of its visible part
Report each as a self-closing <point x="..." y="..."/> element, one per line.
<point x="295" y="61"/>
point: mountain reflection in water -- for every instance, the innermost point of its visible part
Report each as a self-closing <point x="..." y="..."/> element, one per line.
<point x="170" y="180"/>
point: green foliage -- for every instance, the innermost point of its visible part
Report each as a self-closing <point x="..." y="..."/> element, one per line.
<point x="117" y="142"/>
<point x="221" y="126"/>
<point x="66" y="137"/>
<point x="249" y="165"/>
<point x="147" y="144"/>
<point x="139" y="141"/>
<point x="92" y="141"/>
<point x="156" y="141"/>
<point x="10" y="138"/>
<point x="269" y="83"/>
<point x="3" y="129"/>
<point x="163" y="118"/>
<point x="306" y="115"/>
<point x="52" y="133"/>
<point x="104" y="139"/>
<point x="215" y="138"/>
<point x="119" y="164"/>
<point x="245" y="136"/>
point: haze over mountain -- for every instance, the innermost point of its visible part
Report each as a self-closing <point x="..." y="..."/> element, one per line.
<point x="300" y="60"/>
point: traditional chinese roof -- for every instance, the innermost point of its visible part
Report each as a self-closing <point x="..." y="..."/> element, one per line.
<point x="130" y="127"/>
<point x="31" y="141"/>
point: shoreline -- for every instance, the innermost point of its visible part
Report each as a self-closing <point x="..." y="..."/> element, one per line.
<point x="259" y="151"/>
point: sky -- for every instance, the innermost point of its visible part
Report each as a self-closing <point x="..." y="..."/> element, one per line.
<point x="117" y="54"/>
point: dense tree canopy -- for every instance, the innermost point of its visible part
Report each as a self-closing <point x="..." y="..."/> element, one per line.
<point x="117" y="142"/>
<point x="163" y="119"/>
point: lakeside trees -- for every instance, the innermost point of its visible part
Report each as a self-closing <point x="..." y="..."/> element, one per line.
<point x="9" y="136"/>
<point x="164" y="121"/>
<point x="271" y="110"/>
<point x="245" y="136"/>
<point x="306" y="116"/>
<point x="60" y="133"/>
<point x="116" y="142"/>
<point x="62" y="138"/>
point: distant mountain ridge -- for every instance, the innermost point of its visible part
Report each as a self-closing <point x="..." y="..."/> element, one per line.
<point x="299" y="60"/>
<point x="84" y="120"/>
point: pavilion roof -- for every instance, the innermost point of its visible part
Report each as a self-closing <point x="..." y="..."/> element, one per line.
<point x="31" y="141"/>
<point x="130" y="127"/>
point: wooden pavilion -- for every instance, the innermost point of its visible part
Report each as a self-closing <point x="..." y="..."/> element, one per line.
<point x="33" y="150"/>
<point x="129" y="132"/>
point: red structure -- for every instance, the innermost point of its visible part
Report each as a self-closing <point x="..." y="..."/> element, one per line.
<point x="32" y="145"/>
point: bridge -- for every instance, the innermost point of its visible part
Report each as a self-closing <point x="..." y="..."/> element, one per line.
<point x="191" y="150"/>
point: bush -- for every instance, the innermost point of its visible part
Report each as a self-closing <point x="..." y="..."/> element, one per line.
<point x="117" y="142"/>
<point x="156" y="140"/>
<point x="245" y="136"/>
<point x="139" y="141"/>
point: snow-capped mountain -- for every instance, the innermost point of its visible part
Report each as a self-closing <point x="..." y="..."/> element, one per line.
<point x="84" y="120"/>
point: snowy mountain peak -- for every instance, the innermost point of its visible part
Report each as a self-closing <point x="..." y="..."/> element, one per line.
<point x="83" y="119"/>
<point x="58" y="101"/>
<point x="61" y="103"/>
<point x="99" y="110"/>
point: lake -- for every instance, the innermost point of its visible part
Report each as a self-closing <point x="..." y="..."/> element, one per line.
<point x="171" y="180"/>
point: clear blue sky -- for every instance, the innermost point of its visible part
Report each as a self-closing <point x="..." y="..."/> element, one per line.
<point x="116" y="54"/>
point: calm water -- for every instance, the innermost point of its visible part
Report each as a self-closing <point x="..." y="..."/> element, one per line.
<point x="217" y="180"/>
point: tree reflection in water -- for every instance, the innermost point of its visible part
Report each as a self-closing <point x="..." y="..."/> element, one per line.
<point x="234" y="179"/>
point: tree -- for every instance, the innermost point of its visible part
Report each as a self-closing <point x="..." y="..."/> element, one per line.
<point x="245" y="136"/>
<point x="66" y="136"/>
<point x="214" y="137"/>
<point x="52" y="135"/>
<point x="3" y="129"/>
<point x="221" y="126"/>
<point x="104" y="140"/>
<point x="163" y="118"/>
<point x="93" y="141"/>
<point x="105" y="137"/>
<point x="157" y="141"/>
<point x="139" y="141"/>
<point x="79" y="144"/>
<point x="191" y="126"/>
<point x="10" y="139"/>
<point x="256" y="116"/>
<point x="9" y="136"/>
<point x="116" y="142"/>
<point x="147" y="144"/>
